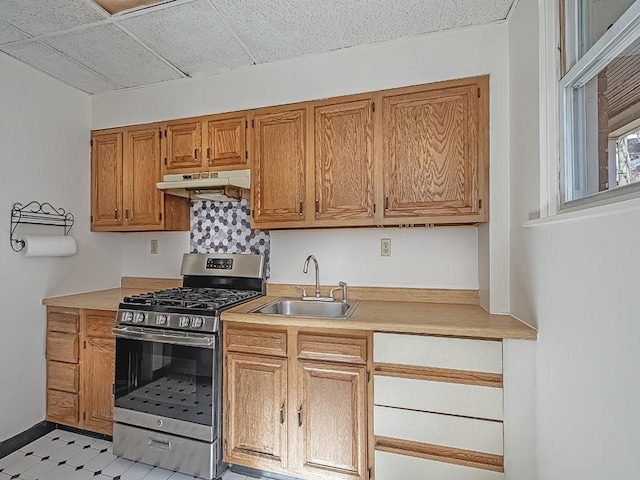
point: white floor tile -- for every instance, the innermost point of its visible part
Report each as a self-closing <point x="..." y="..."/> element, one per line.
<point x="66" y="453"/>
<point x="84" y="456"/>
<point x="181" y="476"/>
<point x="71" y="436"/>
<point x="11" y="458"/>
<point x="101" y="444"/>
<point x="158" y="474"/>
<point x="99" y="462"/>
<point x="80" y="475"/>
<point x="117" y="467"/>
<point x="61" y="472"/>
<point x="41" y="443"/>
<point x="101" y="477"/>
<point x="229" y="475"/>
<point x="4" y="477"/>
<point x="50" y="448"/>
<point x="21" y="465"/>
<point x="137" y="472"/>
<point x="38" y="470"/>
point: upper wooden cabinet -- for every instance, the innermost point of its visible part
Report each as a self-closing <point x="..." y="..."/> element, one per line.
<point x="183" y="146"/>
<point x="433" y="151"/>
<point x="125" y="167"/>
<point x="279" y="156"/>
<point x="226" y="144"/>
<point x="415" y="155"/>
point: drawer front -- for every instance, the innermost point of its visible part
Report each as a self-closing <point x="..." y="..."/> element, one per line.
<point x="63" y="407"/>
<point x="63" y="376"/>
<point x="64" y="321"/>
<point x="256" y="341"/>
<point x="439" y="397"/>
<point x="332" y="348"/>
<point x="438" y="352"/>
<point x="446" y="430"/>
<point x="393" y="466"/>
<point x="99" y="324"/>
<point x="62" y="347"/>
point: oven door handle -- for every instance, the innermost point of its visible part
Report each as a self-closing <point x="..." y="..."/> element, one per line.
<point x="187" y="339"/>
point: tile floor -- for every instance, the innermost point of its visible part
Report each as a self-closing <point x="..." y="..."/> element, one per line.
<point x="62" y="455"/>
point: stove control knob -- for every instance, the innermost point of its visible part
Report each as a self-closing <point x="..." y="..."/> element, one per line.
<point x="196" y="322"/>
<point x="161" y="320"/>
<point x="184" y="322"/>
<point x="138" y="317"/>
<point x="126" y="317"/>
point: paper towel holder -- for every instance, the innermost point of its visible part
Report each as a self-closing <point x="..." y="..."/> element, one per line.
<point x="36" y="213"/>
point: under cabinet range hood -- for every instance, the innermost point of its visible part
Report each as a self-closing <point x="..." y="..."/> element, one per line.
<point x="217" y="186"/>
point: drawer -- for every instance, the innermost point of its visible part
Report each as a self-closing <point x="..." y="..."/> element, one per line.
<point x="63" y="320"/>
<point x="395" y="466"/>
<point x="446" y="430"/>
<point x="332" y="348"/>
<point x="439" y="397"/>
<point x="438" y="352"/>
<point x="98" y="324"/>
<point x="62" y="347"/>
<point x="63" y="407"/>
<point x="256" y="341"/>
<point x="63" y="376"/>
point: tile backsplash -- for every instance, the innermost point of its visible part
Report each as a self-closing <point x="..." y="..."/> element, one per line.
<point x="225" y="227"/>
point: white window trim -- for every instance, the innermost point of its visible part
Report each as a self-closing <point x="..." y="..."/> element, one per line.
<point x="553" y="105"/>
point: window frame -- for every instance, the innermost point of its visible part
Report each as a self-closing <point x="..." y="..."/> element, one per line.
<point x="624" y="32"/>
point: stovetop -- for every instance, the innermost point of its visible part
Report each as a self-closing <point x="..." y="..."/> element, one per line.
<point x="199" y="300"/>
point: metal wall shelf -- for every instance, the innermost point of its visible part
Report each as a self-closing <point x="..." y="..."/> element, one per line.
<point x="36" y="213"/>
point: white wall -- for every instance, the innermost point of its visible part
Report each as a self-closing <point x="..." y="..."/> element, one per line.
<point x="578" y="282"/>
<point x="44" y="133"/>
<point x="418" y="60"/>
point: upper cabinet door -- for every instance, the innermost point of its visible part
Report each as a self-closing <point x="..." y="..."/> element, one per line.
<point x="226" y="141"/>
<point x="143" y="201"/>
<point x="183" y="146"/>
<point x="279" y="158"/>
<point x="344" y="160"/>
<point x="433" y="157"/>
<point x="106" y="180"/>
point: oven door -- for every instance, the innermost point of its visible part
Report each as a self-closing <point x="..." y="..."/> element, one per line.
<point x="167" y="381"/>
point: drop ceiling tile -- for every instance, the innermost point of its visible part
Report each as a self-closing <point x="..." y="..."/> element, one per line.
<point x="190" y="36"/>
<point x="37" y="17"/>
<point x="8" y="33"/>
<point x="109" y="51"/>
<point x="371" y="21"/>
<point x="277" y="29"/>
<point x="462" y="13"/>
<point x="48" y="60"/>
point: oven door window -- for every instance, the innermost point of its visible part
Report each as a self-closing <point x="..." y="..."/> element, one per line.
<point x="172" y="381"/>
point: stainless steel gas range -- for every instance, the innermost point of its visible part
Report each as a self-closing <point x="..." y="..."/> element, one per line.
<point x="168" y="385"/>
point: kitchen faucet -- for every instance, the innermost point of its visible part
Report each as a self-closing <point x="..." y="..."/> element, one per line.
<point x="305" y="269"/>
<point x="342" y="285"/>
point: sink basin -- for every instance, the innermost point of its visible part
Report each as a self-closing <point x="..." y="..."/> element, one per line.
<point x="308" y="308"/>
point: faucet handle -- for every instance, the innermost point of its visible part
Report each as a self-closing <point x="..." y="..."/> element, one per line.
<point x="341" y="286"/>
<point x="304" y="292"/>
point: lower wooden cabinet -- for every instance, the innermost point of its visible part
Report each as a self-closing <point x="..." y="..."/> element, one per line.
<point x="80" y="368"/>
<point x="300" y="410"/>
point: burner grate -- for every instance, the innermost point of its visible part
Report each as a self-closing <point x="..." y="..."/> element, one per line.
<point x="200" y="298"/>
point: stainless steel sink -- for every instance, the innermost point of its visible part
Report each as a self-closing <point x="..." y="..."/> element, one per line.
<point x="307" y="308"/>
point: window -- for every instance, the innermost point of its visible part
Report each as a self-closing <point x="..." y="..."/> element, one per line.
<point x="599" y="100"/>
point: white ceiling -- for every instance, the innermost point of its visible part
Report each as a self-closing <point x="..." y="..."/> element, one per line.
<point x="82" y="45"/>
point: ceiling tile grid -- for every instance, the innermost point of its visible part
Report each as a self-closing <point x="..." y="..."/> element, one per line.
<point x="279" y="29"/>
<point x="38" y="17"/>
<point x="464" y="13"/>
<point x="109" y="51"/>
<point x="371" y="21"/>
<point x="50" y="61"/>
<point x="190" y="36"/>
<point x="9" y="33"/>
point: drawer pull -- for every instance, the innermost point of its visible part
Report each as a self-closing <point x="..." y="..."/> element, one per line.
<point x="159" y="444"/>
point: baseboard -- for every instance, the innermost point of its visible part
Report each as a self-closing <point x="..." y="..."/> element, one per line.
<point x="258" y="473"/>
<point x="25" y="438"/>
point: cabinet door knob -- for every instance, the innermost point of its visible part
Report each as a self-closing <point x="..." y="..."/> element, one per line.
<point x="301" y="208"/>
<point x="300" y="417"/>
<point x="116" y="214"/>
<point x="126" y="214"/>
<point x="282" y="414"/>
<point x="195" y="154"/>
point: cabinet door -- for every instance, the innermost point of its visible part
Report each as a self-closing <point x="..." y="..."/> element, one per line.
<point x="106" y="180"/>
<point x="143" y="201"/>
<point x="279" y="166"/>
<point x="226" y="141"/>
<point x="344" y="160"/>
<point x="183" y="146"/>
<point x="431" y="152"/>
<point x="332" y="420"/>
<point x="255" y="419"/>
<point x="98" y="367"/>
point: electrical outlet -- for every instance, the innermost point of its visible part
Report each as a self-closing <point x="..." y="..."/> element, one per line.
<point x="154" y="247"/>
<point x="385" y="247"/>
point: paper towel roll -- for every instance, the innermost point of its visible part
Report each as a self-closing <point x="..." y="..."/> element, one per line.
<point x="48" y="245"/>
